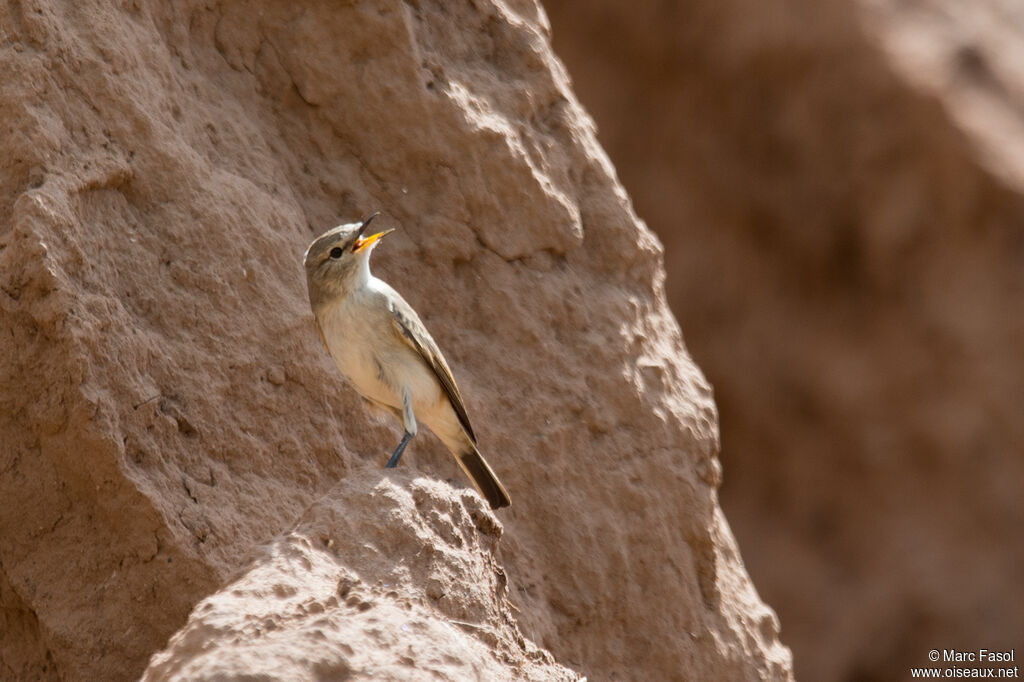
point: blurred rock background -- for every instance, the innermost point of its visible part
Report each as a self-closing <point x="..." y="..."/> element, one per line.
<point x="838" y="188"/>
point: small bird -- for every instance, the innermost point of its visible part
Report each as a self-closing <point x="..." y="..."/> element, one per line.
<point x="385" y="352"/>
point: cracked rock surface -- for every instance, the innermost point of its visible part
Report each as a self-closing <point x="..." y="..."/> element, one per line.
<point x="175" y="441"/>
<point x="422" y="596"/>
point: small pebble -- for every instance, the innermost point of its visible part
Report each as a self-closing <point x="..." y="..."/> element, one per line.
<point x="275" y="375"/>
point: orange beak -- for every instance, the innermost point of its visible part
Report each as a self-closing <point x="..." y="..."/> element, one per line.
<point x="364" y="242"/>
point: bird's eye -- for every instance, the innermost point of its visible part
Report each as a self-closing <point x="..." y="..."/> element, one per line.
<point x="336" y="252"/>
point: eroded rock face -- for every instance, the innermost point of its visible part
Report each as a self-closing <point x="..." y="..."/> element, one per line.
<point x="839" y="194"/>
<point x="167" y="413"/>
<point x="389" y="575"/>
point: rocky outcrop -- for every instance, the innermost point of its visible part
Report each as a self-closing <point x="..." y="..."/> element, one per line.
<point x="838" y="187"/>
<point x="421" y="595"/>
<point x="168" y="416"/>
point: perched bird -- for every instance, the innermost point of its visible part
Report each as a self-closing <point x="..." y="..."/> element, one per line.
<point x="385" y="352"/>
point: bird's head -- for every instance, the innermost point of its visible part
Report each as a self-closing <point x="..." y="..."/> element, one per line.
<point x="336" y="259"/>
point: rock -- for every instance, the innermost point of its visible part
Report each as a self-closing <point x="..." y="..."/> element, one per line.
<point x="838" y="187"/>
<point x="165" y="166"/>
<point x="276" y="375"/>
<point x="389" y="574"/>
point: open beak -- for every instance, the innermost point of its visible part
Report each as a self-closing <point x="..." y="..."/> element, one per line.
<point x="364" y="242"/>
<point x="366" y="223"/>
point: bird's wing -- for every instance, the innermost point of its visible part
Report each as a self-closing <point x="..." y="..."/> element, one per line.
<point x="409" y="327"/>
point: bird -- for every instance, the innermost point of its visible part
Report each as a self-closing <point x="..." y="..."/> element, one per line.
<point x="385" y="352"/>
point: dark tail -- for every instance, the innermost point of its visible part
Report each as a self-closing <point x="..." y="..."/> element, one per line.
<point x="476" y="467"/>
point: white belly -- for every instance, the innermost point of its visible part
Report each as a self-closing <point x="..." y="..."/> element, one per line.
<point x="376" y="361"/>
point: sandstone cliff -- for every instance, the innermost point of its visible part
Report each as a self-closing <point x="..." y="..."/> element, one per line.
<point x="838" y="185"/>
<point x="172" y="432"/>
<point x="421" y="595"/>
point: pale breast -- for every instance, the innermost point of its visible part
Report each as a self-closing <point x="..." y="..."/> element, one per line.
<point x="377" y="362"/>
<point x="351" y="341"/>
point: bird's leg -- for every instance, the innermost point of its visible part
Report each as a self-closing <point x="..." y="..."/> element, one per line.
<point x="409" y="419"/>
<point x="397" y="455"/>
